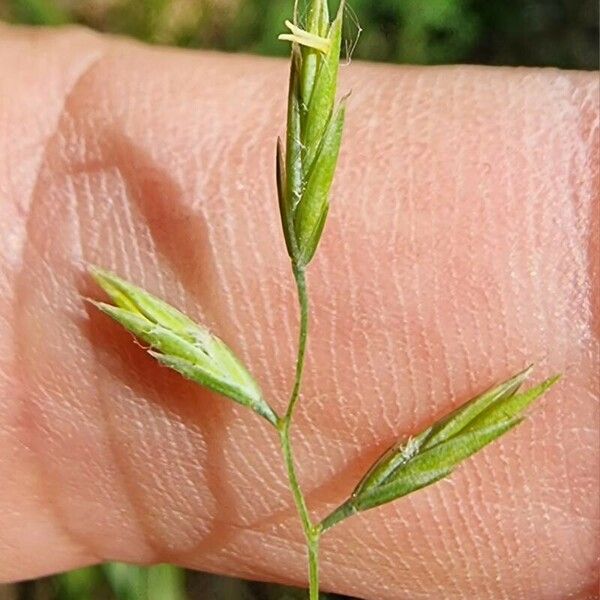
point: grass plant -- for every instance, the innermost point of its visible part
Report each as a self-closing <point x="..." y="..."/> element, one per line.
<point x="305" y="169"/>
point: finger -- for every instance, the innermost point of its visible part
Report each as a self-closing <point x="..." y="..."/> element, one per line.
<point x="459" y="248"/>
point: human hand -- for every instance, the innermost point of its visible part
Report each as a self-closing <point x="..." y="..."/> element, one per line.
<point x="460" y="245"/>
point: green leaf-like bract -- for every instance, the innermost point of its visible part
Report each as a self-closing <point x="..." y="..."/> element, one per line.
<point x="314" y="133"/>
<point x="181" y="344"/>
<point x="435" y="452"/>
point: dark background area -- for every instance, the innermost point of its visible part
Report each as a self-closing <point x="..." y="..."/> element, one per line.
<point x="558" y="33"/>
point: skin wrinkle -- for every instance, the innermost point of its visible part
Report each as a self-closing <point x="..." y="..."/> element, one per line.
<point x="128" y="476"/>
<point x="459" y="311"/>
<point x="521" y="471"/>
<point x="330" y="340"/>
<point x="121" y="474"/>
<point x="238" y="146"/>
<point x="121" y="466"/>
<point x="417" y="528"/>
<point x="462" y="190"/>
<point x="389" y="417"/>
<point x="422" y="291"/>
<point x="239" y="141"/>
<point x="481" y="350"/>
<point x="222" y="280"/>
<point x="411" y="113"/>
<point x="247" y="464"/>
<point x="412" y="116"/>
<point x="25" y="150"/>
<point x="446" y="390"/>
<point x="189" y="502"/>
<point x="470" y="303"/>
<point x="532" y="225"/>
<point x="21" y="375"/>
<point x="517" y="310"/>
<point x="370" y="284"/>
<point x="451" y="555"/>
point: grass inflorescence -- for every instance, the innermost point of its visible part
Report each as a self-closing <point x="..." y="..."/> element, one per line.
<point x="305" y="168"/>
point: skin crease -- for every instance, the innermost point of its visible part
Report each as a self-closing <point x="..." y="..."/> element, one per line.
<point x="460" y="247"/>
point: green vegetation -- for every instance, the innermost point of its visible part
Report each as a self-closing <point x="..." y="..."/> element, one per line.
<point x="116" y="581"/>
<point x="557" y="33"/>
<point x="305" y="168"/>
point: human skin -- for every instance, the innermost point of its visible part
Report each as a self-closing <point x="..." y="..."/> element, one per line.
<point x="460" y="247"/>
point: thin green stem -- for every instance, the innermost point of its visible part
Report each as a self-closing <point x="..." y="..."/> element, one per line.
<point x="311" y="532"/>
<point x="313" y="566"/>
<point x="300" y="277"/>
<point x="288" y="457"/>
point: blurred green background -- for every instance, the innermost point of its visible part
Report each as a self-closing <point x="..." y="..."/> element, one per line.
<point x="116" y="581"/>
<point x="560" y="33"/>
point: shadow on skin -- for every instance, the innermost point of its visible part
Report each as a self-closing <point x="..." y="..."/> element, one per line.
<point x="179" y="236"/>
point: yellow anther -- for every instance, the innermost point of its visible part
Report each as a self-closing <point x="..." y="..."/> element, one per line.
<point x="305" y="38"/>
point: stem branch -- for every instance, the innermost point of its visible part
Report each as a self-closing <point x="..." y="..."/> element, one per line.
<point x="311" y="532"/>
<point x="342" y="512"/>
<point x="299" y="499"/>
